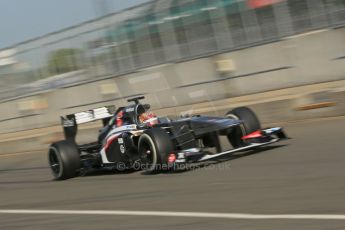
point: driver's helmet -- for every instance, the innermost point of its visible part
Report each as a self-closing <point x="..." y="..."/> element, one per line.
<point x="119" y="119"/>
<point x="148" y="118"/>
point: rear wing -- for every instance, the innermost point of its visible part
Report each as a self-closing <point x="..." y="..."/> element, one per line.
<point x="70" y="122"/>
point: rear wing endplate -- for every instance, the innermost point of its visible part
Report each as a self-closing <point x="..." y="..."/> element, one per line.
<point x="70" y="122"/>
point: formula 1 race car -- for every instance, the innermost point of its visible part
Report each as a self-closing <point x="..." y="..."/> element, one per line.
<point x="134" y="138"/>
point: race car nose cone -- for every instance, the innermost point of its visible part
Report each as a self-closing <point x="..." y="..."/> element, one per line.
<point x="255" y="134"/>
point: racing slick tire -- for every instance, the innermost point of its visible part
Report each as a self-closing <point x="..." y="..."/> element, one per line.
<point x="64" y="159"/>
<point x="154" y="147"/>
<point x="251" y="124"/>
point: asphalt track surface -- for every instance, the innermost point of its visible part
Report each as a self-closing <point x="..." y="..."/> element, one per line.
<point x="304" y="175"/>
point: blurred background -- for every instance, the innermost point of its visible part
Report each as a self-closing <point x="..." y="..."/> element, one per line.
<point x="283" y="58"/>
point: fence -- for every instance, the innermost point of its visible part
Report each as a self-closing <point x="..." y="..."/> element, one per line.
<point x="154" y="33"/>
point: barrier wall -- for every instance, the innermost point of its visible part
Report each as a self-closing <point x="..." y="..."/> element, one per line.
<point x="318" y="56"/>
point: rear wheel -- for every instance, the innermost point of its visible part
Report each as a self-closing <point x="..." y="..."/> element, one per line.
<point x="154" y="148"/>
<point x="64" y="159"/>
<point x="250" y="124"/>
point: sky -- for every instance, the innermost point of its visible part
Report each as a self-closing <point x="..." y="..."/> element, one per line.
<point x="21" y="20"/>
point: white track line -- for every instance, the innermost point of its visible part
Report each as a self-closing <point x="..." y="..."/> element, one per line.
<point x="178" y="214"/>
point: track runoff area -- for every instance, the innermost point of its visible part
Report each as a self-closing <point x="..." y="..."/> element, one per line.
<point x="297" y="181"/>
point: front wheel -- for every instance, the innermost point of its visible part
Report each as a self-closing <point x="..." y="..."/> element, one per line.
<point x="250" y="124"/>
<point x="155" y="146"/>
<point x="64" y="159"/>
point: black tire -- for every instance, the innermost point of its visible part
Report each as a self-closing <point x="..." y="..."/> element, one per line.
<point x="251" y="124"/>
<point x="154" y="147"/>
<point x="64" y="159"/>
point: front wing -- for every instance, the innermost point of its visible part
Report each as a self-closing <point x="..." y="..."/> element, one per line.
<point x="254" y="140"/>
